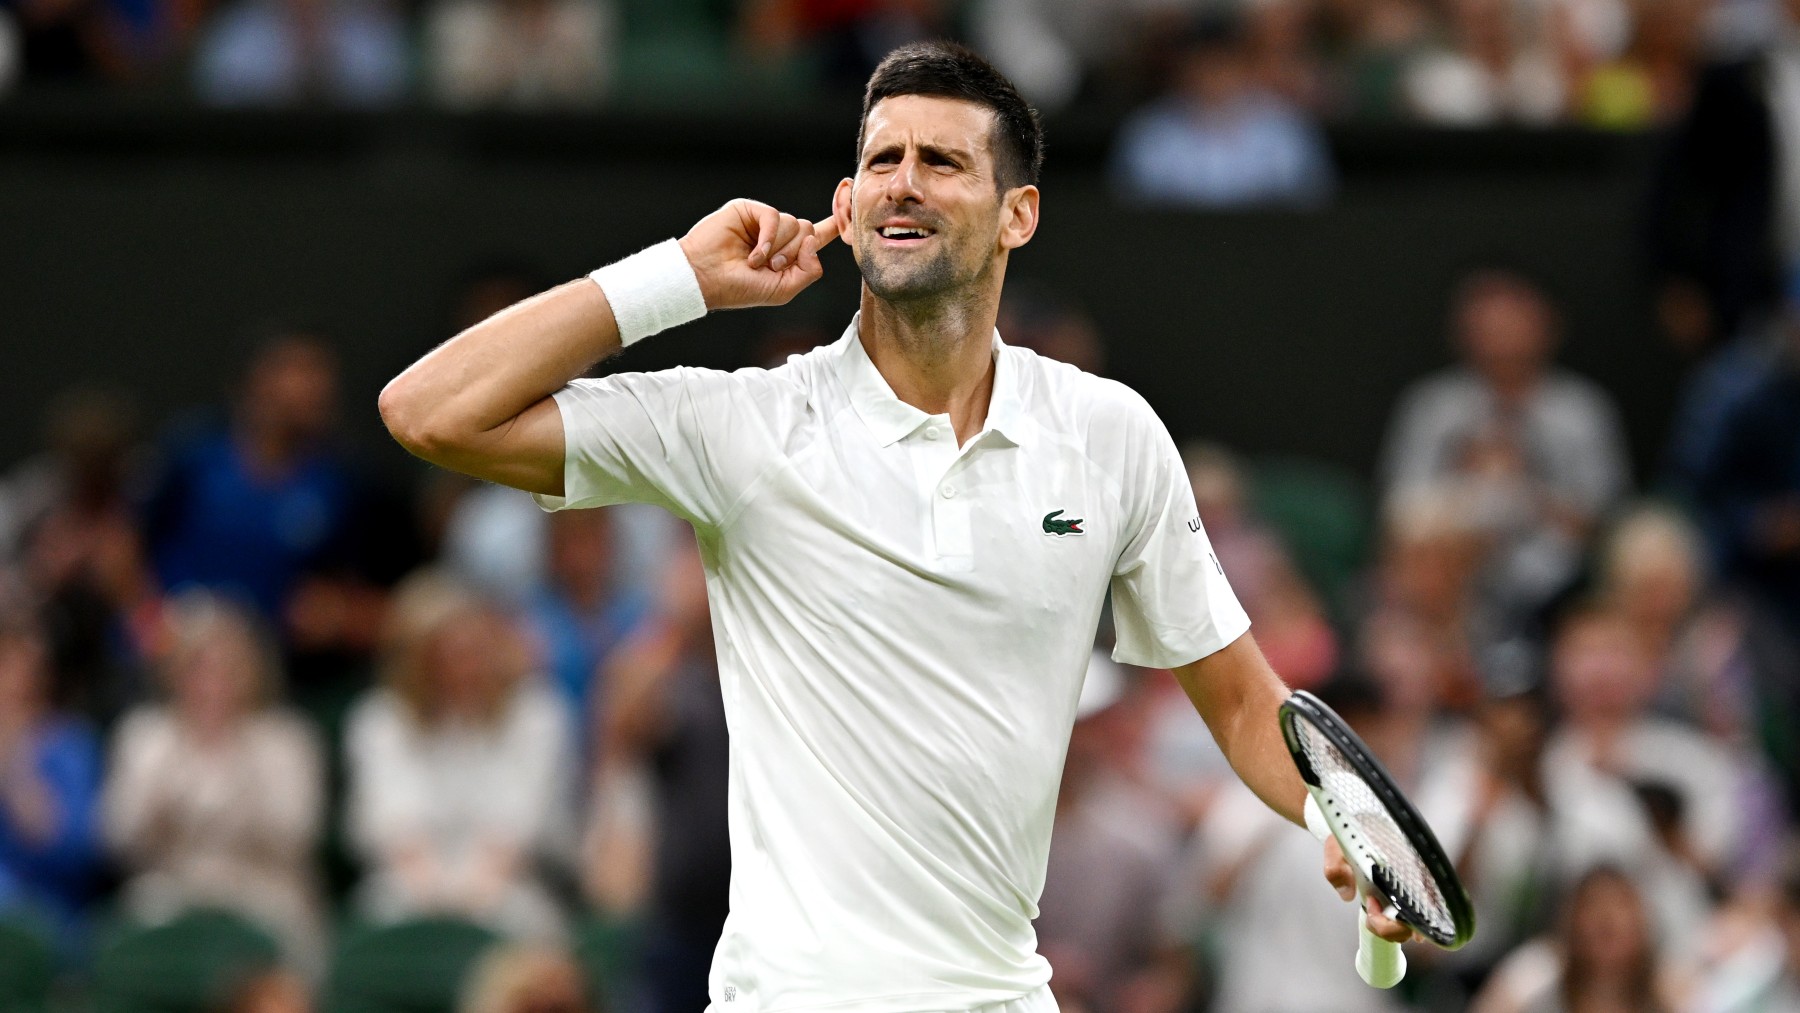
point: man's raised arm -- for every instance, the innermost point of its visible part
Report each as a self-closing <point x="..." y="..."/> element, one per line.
<point x="480" y="402"/>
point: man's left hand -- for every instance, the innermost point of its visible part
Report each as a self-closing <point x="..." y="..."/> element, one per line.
<point x="1343" y="878"/>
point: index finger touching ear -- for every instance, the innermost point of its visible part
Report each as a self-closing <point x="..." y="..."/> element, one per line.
<point x="826" y="230"/>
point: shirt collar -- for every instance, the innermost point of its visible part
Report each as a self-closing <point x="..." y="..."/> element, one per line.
<point x="892" y="420"/>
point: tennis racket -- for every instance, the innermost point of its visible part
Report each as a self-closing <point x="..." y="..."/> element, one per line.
<point x="1396" y="856"/>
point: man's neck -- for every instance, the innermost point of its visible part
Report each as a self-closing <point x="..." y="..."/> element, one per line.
<point x="939" y="359"/>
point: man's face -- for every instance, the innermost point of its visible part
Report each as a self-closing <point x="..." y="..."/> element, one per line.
<point x="926" y="213"/>
<point x="1506" y="333"/>
<point x="1601" y="672"/>
<point x="293" y="387"/>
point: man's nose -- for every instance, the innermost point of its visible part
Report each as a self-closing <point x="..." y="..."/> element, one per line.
<point x="904" y="182"/>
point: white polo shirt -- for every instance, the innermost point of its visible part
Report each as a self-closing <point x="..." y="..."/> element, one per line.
<point x="902" y="627"/>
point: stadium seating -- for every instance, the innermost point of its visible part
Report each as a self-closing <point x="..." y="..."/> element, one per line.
<point x="1321" y="513"/>
<point x="186" y="965"/>
<point x="607" y="950"/>
<point x="27" y="964"/>
<point x="410" y="967"/>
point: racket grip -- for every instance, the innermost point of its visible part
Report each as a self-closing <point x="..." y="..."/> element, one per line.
<point x="1382" y="964"/>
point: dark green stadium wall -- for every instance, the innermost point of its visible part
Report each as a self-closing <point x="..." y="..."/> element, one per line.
<point x="137" y="248"/>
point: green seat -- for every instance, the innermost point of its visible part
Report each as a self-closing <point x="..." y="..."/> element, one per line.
<point x="191" y="963"/>
<point x="673" y="50"/>
<point x="607" y="950"/>
<point x="27" y="964"/>
<point x="411" y="967"/>
<point x="1321" y="513"/>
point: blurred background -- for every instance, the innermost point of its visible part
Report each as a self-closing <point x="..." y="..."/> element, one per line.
<point x="1478" y="322"/>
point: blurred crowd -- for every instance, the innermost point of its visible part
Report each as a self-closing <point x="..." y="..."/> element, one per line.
<point x="1221" y="101"/>
<point x="240" y="672"/>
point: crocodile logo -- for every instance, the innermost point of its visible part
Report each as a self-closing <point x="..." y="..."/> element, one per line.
<point x="1056" y="524"/>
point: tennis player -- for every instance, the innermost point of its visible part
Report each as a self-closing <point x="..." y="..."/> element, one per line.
<point x="908" y="534"/>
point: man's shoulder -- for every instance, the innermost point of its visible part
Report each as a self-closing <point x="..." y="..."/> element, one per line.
<point x="1066" y="398"/>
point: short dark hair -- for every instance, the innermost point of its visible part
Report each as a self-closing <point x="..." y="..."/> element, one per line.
<point x="948" y="70"/>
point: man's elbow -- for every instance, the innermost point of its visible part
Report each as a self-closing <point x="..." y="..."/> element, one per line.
<point x="411" y="421"/>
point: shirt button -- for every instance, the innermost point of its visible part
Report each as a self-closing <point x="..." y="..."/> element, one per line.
<point x="948" y="492"/>
<point x="931" y="433"/>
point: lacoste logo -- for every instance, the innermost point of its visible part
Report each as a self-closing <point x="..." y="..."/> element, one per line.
<point x="1054" y="524"/>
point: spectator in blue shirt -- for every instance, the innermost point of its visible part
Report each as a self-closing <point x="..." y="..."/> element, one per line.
<point x="291" y="52"/>
<point x="1221" y="139"/>
<point x="582" y="611"/>
<point x="49" y="788"/>
<point x="250" y="508"/>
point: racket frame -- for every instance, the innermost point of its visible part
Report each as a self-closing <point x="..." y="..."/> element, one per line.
<point x="1303" y="706"/>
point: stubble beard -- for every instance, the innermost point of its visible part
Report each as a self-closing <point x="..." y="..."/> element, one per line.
<point x="934" y="293"/>
<point x="914" y="284"/>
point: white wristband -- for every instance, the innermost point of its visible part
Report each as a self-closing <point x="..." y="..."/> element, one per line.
<point x="1315" y="820"/>
<point x="651" y="290"/>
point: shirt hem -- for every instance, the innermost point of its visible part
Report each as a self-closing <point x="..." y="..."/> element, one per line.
<point x="1170" y="659"/>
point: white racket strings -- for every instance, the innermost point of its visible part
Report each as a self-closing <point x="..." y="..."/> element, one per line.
<point x="1403" y="874"/>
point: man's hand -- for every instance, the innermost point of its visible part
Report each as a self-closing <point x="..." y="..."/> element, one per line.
<point x="1339" y="874"/>
<point x="749" y="254"/>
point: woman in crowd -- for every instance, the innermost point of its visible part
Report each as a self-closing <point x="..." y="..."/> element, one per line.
<point x="460" y="768"/>
<point x="1603" y="960"/>
<point x="1652" y="575"/>
<point x="215" y="796"/>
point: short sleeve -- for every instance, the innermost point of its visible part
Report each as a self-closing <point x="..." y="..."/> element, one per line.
<point x="1171" y="602"/>
<point x="679" y="438"/>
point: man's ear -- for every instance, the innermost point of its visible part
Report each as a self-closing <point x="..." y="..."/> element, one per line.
<point x="1019" y="216"/>
<point x="840" y="209"/>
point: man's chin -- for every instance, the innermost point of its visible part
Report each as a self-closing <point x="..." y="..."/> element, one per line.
<point x="908" y="285"/>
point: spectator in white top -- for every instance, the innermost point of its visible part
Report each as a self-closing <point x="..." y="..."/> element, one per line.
<point x="1535" y="450"/>
<point x="1605" y="681"/>
<point x="525" y="54"/>
<point x="1759" y="970"/>
<point x="215" y="797"/>
<point x="1492" y="72"/>
<point x="1522" y="829"/>
<point x="1652" y="575"/>
<point x="460" y="769"/>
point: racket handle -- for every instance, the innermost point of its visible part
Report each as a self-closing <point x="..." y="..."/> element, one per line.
<point x="1382" y="964"/>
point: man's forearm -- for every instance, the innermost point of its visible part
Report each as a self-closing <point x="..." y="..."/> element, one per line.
<point x="480" y="403"/>
<point x="1240" y="696"/>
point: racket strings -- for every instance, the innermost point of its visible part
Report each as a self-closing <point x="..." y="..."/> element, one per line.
<point x="1405" y="878"/>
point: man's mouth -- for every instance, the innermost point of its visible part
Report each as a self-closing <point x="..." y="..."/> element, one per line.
<point x="905" y="235"/>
